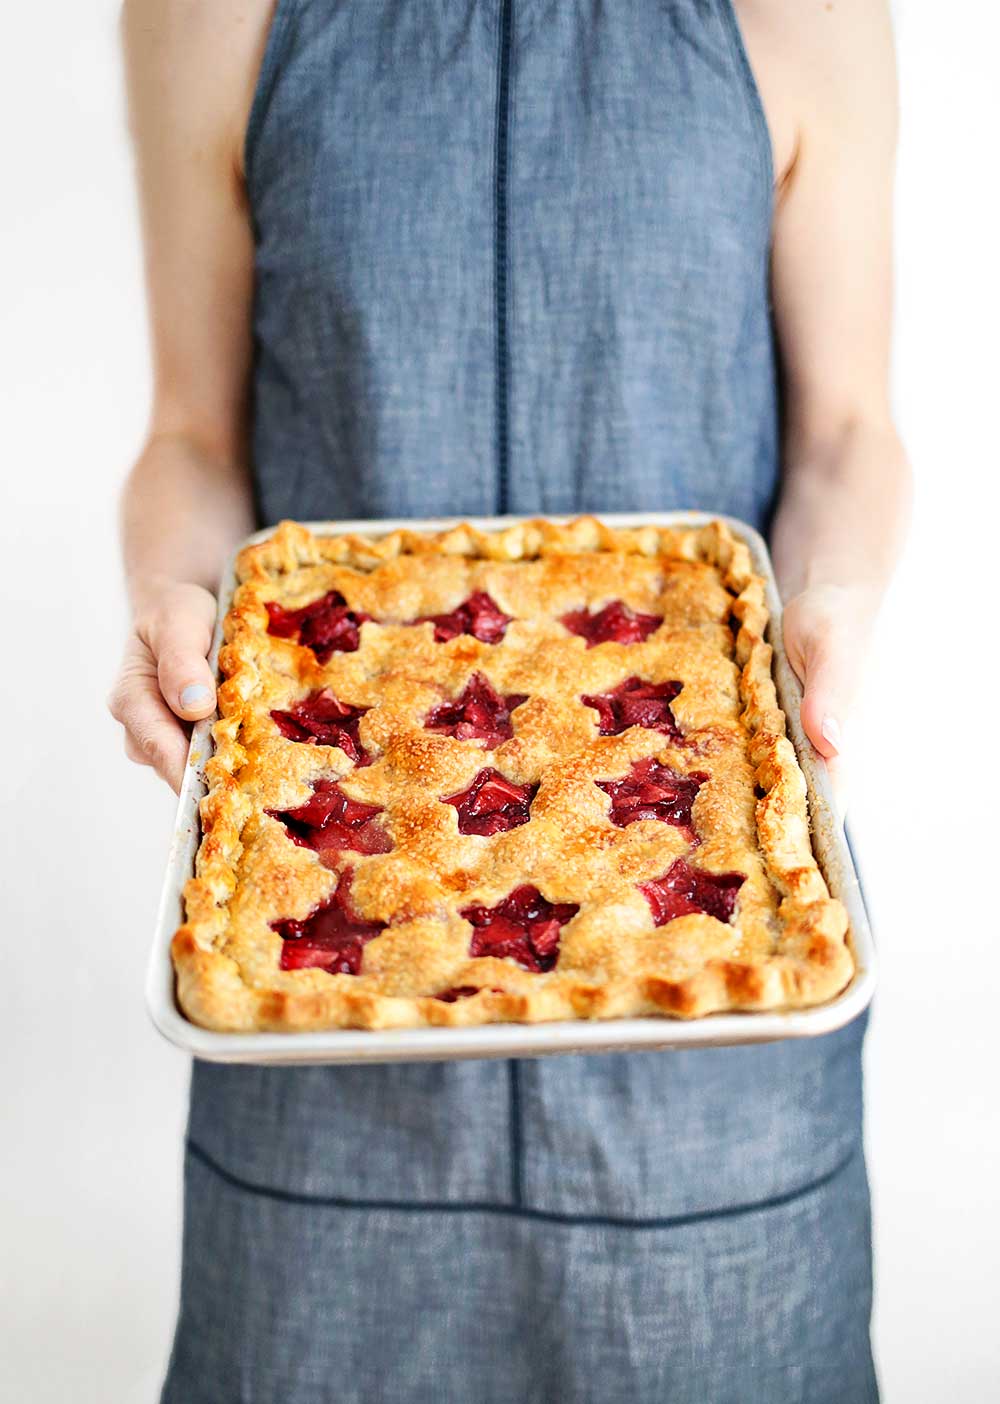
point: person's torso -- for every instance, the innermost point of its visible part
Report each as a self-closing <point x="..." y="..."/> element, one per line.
<point x="511" y="255"/>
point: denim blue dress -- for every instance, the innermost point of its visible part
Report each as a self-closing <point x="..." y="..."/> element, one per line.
<point x="512" y="256"/>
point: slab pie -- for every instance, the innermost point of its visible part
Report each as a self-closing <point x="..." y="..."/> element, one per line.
<point x="518" y="775"/>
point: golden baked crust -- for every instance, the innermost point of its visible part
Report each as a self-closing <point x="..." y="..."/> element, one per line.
<point x="785" y="945"/>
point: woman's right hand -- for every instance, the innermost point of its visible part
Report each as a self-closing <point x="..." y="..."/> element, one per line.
<point x="165" y="679"/>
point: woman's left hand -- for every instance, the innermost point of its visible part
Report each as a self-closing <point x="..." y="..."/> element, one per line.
<point x="827" y="629"/>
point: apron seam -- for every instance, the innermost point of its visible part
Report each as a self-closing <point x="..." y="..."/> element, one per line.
<point x="518" y="1211"/>
<point x="500" y="253"/>
<point x="516" y="1140"/>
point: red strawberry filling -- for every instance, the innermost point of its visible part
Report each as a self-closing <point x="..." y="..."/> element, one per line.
<point x="492" y="804"/>
<point x="321" y="718"/>
<point x="332" y="937"/>
<point x="479" y="714"/>
<point x="458" y="992"/>
<point x="653" y="791"/>
<point x="479" y="615"/>
<point x="524" y="927"/>
<point x="615" y="623"/>
<point x="329" y="822"/>
<point x="327" y="625"/>
<point x="636" y="703"/>
<point x="685" y="889"/>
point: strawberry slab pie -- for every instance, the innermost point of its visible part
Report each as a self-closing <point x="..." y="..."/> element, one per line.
<point x="468" y="777"/>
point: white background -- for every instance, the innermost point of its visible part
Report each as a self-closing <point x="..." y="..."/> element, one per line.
<point x="92" y="1100"/>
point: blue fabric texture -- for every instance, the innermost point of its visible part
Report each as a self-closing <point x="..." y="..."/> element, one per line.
<point x="512" y="255"/>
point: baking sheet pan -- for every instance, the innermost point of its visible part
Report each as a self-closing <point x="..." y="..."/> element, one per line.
<point x="519" y="1040"/>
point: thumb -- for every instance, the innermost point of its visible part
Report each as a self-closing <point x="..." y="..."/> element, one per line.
<point x="826" y="696"/>
<point x="825" y="704"/>
<point x="180" y="642"/>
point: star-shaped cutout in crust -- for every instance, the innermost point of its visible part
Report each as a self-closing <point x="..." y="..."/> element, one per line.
<point x="327" y="625"/>
<point x="330" y="822"/>
<point x="332" y="937"/>
<point x="492" y="804"/>
<point x="523" y="927"/>
<point x="636" y="703"/>
<point x="479" y="714"/>
<point x="323" y="719"/>
<point x="654" y="791"/>
<point x="684" y="889"/>
<point x="479" y="615"/>
<point x="615" y="623"/>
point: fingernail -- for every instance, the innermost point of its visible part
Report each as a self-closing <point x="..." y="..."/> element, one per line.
<point x="831" y="732"/>
<point x="194" y="695"/>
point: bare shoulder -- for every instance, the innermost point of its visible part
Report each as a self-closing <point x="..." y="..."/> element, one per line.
<point x="822" y="66"/>
<point x="192" y="67"/>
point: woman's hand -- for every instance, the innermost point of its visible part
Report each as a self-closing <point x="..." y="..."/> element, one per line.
<point x="165" y="679"/>
<point x="827" y="629"/>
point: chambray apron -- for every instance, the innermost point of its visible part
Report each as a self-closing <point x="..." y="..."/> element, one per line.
<point x="512" y="255"/>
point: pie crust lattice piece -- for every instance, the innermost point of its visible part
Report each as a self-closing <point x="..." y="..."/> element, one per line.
<point x="501" y="776"/>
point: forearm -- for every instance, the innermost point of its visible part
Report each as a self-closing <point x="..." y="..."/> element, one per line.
<point x="183" y="510"/>
<point x="843" y="509"/>
<point x="839" y="526"/>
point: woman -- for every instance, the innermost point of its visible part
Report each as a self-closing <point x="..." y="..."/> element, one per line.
<point x="518" y="256"/>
